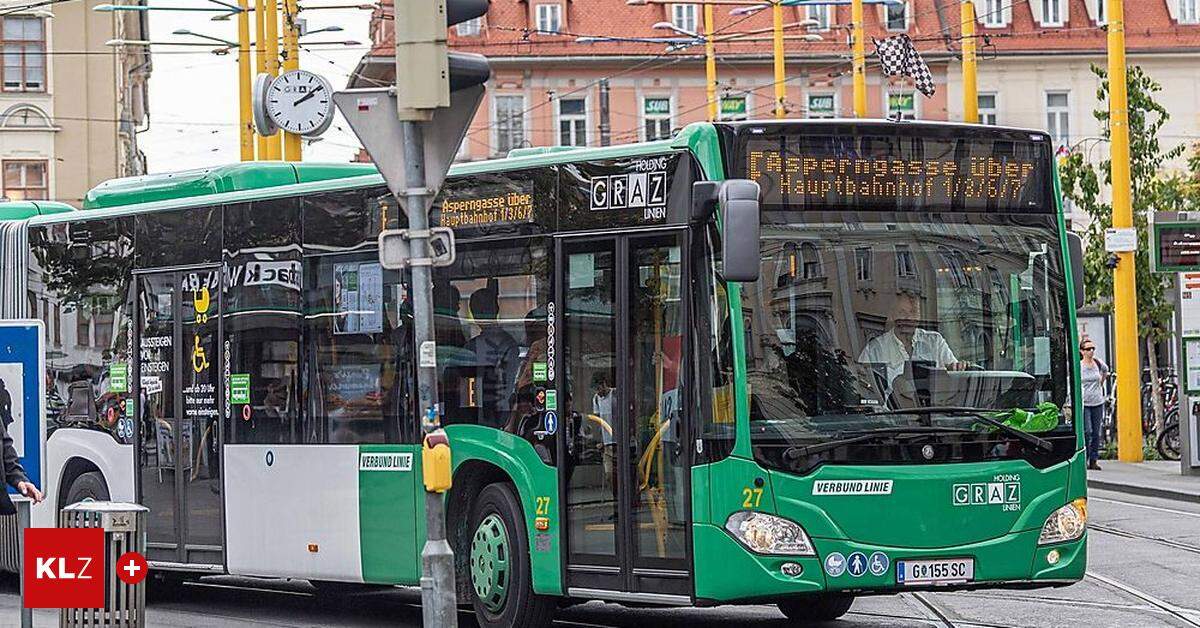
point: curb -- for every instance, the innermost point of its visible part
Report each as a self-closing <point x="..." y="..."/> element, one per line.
<point x="1145" y="491"/>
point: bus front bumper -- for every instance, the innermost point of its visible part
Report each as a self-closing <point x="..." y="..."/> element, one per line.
<point x="728" y="572"/>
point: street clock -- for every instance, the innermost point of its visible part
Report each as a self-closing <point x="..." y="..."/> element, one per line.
<point x="298" y="102"/>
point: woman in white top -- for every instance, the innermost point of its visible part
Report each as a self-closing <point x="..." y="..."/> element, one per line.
<point x="1093" y="374"/>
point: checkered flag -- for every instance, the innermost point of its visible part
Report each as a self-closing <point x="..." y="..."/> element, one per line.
<point x="899" y="57"/>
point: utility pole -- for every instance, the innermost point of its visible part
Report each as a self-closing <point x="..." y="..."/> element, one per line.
<point x="271" y="51"/>
<point x="245" y="114"/>
<point x="860" y="60"/>
<point x="780" y="70"/>
<point x="605" y="121"/>
<point x="291" y="61"/>
<point x="260" y="64"/>
<point x="969" y="67"/>
<point x="710" y="63"/>
<point x="1128" y="366"/>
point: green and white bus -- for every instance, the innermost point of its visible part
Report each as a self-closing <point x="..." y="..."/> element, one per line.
<point x="857" y="382"/>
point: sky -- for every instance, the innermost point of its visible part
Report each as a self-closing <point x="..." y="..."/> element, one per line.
<point x="194" y="93"/>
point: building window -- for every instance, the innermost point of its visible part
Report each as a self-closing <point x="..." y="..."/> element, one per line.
<point x="549" y="18"/>
<point x="24" y="54"/>
<point x="25" y="180"/>
<point x="822" y="106"/>
<point x="903" y="104"/>
<point x="685" y="17"/>
<point x="1101" y="11"/>
<point x="83" y="328"/>
<point x="510" y="123"/>
<point x="572" y="122"/>
<point x="906" y="262"/>
<point x="1058" y="118"/>
<point x="734" y="107"/>
<point x="1189" y="11"/>
<point x="1052" y="13"/>
<point x="862" y="263"/>
<point x="821" y="14"/>
<point x="993" y="13"/>
<point x="810" y="262"/>
<point x="657" y="115"/>
<point x="470" y="28"/>
<point x="988" y="112"/>
<point x="897" y="17"/>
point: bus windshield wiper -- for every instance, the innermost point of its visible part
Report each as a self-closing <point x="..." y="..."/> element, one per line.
<point x="981" y="414"/>
<point x="862" y="436"/>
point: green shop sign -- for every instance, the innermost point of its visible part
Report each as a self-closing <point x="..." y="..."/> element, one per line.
<point x="656" y="106"/>
<point x="735" y="106"/>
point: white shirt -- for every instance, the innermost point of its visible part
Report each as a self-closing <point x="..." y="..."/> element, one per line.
<point x="602" y="407"/>
<point x="928" y="346"/>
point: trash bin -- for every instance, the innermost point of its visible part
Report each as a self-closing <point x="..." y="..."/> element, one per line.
<point x="124" y="531"/>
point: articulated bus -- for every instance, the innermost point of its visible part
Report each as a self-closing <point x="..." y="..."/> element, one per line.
<point x="786" y="362"/>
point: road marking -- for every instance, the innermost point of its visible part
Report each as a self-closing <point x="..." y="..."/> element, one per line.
<point x="1147" y="507"/>
<point x="1185" y="614"/>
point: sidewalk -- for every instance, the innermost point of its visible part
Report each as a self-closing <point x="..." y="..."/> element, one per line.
<point x="1153" y="479"/>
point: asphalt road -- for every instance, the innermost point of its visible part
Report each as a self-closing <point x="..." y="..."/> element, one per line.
<point x="1143" y="571"/>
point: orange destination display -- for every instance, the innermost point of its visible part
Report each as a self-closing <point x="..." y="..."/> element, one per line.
<point x="889" y="173"/>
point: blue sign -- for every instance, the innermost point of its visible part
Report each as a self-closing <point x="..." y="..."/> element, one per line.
<point x="551" y="422"/>
<point x="878" y="564"/>
<point x="856" y="564"/>
<point x="23" y="393"/>
<point x="835" y="565"/>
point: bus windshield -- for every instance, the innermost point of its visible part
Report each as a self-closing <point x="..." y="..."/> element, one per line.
<point x="912" y="291"/>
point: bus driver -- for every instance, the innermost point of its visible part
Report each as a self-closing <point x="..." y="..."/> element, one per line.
<point x="904" y="342"/>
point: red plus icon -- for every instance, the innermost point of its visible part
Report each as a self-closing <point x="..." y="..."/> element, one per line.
<point x="132" y="568"/>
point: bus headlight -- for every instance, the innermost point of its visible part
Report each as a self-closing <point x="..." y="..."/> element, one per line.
<point x="767" y="534"/>
<point x="1065" y="524"/>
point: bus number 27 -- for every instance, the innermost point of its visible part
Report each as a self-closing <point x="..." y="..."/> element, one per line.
<point x="753" y="497"/>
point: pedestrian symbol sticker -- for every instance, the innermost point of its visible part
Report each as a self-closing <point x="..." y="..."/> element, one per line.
<point x="835" y="565"/>
<point x="878" y="564"/>
<point x="856" y="564"/>
<point x="551" y="422"/>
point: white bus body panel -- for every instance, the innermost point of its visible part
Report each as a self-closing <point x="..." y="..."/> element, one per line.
<point x="307" y="496"/>
<point x="114" y="460"/>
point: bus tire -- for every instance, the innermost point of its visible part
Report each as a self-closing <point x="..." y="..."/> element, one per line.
<point x="90" y="485"/>
<point x="498" y="567"/>
<point x="815" y="608"/>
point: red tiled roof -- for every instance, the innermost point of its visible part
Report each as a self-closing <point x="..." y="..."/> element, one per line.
<point x="508" y="30"/>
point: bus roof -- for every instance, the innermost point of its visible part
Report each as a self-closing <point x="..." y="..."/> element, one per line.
<point x="20" y="210"/>
<point x="175" y="188"/>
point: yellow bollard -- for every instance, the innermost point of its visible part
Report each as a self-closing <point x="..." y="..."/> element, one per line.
<point x="435" y="462"/>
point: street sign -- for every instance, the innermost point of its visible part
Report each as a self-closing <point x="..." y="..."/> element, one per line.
<point x="23" y="392"/>
<point x="375" y="119"/>
<point x="1123" y="240"/>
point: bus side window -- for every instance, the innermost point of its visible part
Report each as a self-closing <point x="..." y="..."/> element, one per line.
<point x="490" y="321"/>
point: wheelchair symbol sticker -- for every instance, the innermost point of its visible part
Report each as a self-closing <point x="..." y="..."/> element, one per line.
<point x="878" y="564"/>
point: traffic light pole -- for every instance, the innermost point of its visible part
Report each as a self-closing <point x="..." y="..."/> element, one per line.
<point x="439" y="606"/>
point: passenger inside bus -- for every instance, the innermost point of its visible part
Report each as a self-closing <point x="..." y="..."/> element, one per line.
<point x="497" y="357"/>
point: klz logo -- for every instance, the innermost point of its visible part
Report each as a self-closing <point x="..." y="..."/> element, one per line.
<point x="64" y="568"/>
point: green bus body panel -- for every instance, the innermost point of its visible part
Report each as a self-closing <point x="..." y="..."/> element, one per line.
<point x="209" y="181"/>
<point x="391" y="526"/>
<point x="20" y="210"/>
<point x="532" y="479"/>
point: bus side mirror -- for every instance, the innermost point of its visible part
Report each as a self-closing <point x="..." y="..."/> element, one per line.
<point x="740" y="229"/>
<point x="1075" y="248"/>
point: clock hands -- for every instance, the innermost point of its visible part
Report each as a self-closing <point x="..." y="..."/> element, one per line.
<point x="308" y="95"/>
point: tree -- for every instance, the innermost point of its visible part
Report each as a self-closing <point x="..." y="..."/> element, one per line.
<point x="1081" y="183"/>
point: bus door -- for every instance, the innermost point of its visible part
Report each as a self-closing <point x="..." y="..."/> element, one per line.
<point x="624" y="413"/>
<point x="179" y="386"/>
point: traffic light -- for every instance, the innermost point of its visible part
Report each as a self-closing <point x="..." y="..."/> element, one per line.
<point x="426" y="71"/>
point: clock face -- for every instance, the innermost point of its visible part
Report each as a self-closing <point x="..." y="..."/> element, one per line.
<point x="300" y="102"/>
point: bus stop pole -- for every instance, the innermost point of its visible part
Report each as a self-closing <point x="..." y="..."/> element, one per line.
<point x="24" y="519"/>
<point x="438" y="598"/>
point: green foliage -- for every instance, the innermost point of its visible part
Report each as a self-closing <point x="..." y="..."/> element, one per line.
<point x="1081" y="183"/>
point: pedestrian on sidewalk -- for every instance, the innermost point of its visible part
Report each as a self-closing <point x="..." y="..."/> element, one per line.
<point x="1093" y="373"/>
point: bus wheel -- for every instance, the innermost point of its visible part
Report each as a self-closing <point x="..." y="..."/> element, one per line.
<point x="87" y="485"/>
<point x="501" y="585"/>
<point x="813" y="608"/>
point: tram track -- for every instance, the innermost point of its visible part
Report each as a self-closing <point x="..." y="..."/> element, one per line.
<point x="1186" y="547"/>
<point x="1187" y="616"/>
